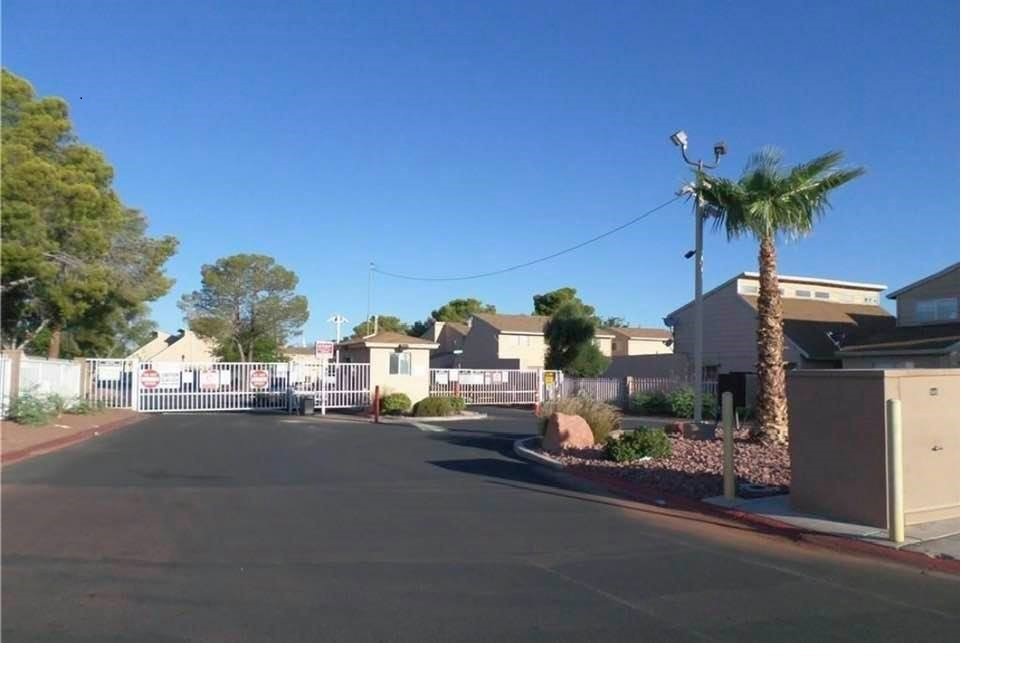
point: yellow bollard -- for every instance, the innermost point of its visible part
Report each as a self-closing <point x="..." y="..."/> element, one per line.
<point x="728" y="470"/>
<point x="894" y="465"/>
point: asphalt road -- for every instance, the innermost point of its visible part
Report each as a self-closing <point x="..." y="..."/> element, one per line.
<point x="235" y="527"/>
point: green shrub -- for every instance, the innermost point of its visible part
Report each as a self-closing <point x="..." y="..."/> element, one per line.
<point x="434" y="406"/>
<point x="81" y="408"/>
<point x="652" y="403"/>
<point x="678" y="403"/>
<point x="30" y="408"/>
<point x="643" y="441"/>
<point x="395" y="404"/>
<point x="601" y="417"/>
<point x="458" y="404"/>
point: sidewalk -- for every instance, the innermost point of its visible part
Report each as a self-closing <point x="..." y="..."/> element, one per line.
<point x="939" y="539"/>
<point x="22" y="441"/>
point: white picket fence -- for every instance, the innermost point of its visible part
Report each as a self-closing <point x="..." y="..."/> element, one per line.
<point x="621" y="391"/>
<point x="50" y="376"/>
<point x="493" y="386"/>
<point x="5" y="384"/>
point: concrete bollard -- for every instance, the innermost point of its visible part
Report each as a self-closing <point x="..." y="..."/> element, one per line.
<point x="728" y="447"/>
<point x="894" y="466"/>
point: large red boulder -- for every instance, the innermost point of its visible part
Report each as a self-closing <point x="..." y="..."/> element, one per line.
<point x="567" y="431"/>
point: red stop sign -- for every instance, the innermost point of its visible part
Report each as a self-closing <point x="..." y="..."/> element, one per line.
<point x="259" y="378"/>
<point x="149" y="378"/>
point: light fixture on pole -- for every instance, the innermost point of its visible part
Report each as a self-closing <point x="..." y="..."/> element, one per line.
<point x="337" y="320"/>
<point x="680" y="140"/>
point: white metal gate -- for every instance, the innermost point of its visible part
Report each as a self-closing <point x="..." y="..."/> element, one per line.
<point x="172" y="386"/>
<point x="494" y="386"/>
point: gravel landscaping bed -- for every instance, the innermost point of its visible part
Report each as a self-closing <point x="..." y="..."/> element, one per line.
<point x="694" y="469"/>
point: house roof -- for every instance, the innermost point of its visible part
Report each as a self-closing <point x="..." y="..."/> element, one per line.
<point x="808" y="323"/>
<point x="524" y="324"/>
<point x="389" y="339"/>
<point x="916" y="339"/>
<point x="922" y="281"/>
<point x="783" y="279"/>
<point x="642" y="333"/>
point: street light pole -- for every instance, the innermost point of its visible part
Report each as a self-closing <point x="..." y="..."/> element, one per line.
<point x="680" y="140"/>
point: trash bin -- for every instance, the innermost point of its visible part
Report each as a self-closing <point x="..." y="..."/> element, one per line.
<point x="308" y="406"/>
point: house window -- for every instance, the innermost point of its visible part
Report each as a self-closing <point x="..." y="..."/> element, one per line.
<point x="821" y="295"/>
<point x="871" y="300"/>
<point x="803" y="293"/>
<point x="937" y="310"/>
<point x="400" y="363"/>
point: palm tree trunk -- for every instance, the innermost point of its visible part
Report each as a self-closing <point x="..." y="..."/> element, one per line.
<point x="772" y="410"/>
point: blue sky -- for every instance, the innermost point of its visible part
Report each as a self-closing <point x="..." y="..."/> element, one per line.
<point x="446" y="138"/>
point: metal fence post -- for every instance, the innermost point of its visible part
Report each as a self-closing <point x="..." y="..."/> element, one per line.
<point x="728" y="469"/>
<point x="894" y="453"/>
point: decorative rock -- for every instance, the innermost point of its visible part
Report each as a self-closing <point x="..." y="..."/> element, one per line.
<point x="567" y="431"/>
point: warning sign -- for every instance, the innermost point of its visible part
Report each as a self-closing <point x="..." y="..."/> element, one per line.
<point x="324" y="350"/>
<point x="209" y="379"/>
<point x="258" y="379"/>
<point x="149" y="379"/>
<point x="549" y="377"/>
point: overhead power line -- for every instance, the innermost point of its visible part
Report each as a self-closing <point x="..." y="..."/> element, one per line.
<point x="603" y="235"/>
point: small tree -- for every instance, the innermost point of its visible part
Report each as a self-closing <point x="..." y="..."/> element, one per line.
<point x="570" y="338"/>
<point x="384" y="324"/>
<point x="245" y="298"/>
<point x="460" y="310"/>
<point x="548" y="303"/>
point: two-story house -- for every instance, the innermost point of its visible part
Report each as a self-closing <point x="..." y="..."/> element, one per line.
<point x="818" y="314"/>
<point x="640" y="341"/>
<point x="927" y="331"/>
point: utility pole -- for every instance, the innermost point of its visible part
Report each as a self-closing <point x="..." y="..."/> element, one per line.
<point x="680" y="140"/>
<point x="337" y="320"/>
<point x="369" y="289"/>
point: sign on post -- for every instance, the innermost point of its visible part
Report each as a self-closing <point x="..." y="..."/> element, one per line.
<point x="324" y="349"/>
<point x="549" y="378"/>
<point x="258" y="379"/>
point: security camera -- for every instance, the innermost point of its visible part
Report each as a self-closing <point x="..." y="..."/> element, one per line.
<point x="720" y="149"/>
<point x="679" y="139"/>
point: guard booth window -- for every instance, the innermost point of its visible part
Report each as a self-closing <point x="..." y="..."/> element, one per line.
<point x="400" y="363"/>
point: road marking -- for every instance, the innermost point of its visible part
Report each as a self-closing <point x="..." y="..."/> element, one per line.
<point x="426" y="427"/>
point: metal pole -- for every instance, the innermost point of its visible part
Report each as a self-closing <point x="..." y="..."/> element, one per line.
<point x="728" y="470"/>
<point x="894" y="452"/>
<point x="369" y="289"/>
<point x="698" y="306"/>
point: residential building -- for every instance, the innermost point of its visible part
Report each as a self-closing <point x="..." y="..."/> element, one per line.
<point x="927" y="331"/>
<point x="184" y="345"/>
<point x="450" y="338"/>
<point x="300" y="354"/>
<point x="513" y="341"/>
<point x="640" y="341"/>
<point x="818" y="315"/>
<point x="401" y="362"/>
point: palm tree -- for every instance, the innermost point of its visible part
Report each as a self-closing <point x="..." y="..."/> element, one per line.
<point x="770" y="200"/>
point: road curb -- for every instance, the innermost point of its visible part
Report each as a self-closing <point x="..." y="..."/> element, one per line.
<point x="18" y="455"/>
<point x="467" y="415"/>
<point x="536" y="456"/>
<point x="756" y="522"/>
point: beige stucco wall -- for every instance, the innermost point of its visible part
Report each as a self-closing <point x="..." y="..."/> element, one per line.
<point x="836" y="293"/>
<point x="644" y="347"/>
<point x="189" y="348"/>
<point x="838" y="443"/>
<point x="730" y="333"/>
<point x="481" y="346"/>
<point x="528" y="349"/>
<point x="944" y="286"/>
<point x="416" y="386"/>
<point x="604" y="344"/>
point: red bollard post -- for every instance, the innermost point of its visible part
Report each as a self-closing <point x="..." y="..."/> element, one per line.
<point x="376" y="403"/>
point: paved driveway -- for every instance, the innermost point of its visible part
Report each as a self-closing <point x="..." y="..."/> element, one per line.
<point x="264" y="527"/>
